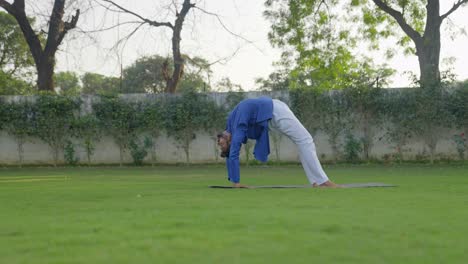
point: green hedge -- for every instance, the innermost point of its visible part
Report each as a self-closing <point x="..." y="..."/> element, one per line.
<point x="403" y="113"/>
<point x="352" y="119"/>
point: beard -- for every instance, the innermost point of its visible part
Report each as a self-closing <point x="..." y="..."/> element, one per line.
<point x="225" y="153"/>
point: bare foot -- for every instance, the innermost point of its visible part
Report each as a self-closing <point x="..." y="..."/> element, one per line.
<point x="329" y="184"/>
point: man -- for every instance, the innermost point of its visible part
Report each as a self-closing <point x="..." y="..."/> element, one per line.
<point x="251" y="118"/>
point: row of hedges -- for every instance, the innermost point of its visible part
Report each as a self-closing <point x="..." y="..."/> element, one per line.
<point x="404" y="114"/>
<point x="61" y="122"/>
<point x="350" y="118"/>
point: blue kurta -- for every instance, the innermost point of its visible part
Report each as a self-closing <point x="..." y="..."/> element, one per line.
<point x="249" y="119"/>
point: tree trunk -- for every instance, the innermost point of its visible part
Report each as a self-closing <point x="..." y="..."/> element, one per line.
<point x="428" y="45"/>
<point x="44" y="57"/>
<point x="172" y="78"/>
<point x="173" y="81"/>
<point x="45" y="74"/>
<point x="428" y="50"/>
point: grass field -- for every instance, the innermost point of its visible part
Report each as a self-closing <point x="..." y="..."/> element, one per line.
<point x="168" y="215"/>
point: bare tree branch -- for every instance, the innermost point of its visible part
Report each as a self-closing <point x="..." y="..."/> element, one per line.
<point x="7" y="6"/>
<point x="151" y="22"/>
<point x="177" y="73"/>
<point x="17" y="10"/>
<point x="15" y="68"/>
<point x="319" y="6"/>
<point x="111" y="27"/>
<point x="223" y="60"/>
<point x="454" y="7"/>
<point x="3" y="58"/>
<point x="69" y="25"/>
<point x="413" y="34"/>
<point x="224" y="26"/>
<point x="127" y="37"/>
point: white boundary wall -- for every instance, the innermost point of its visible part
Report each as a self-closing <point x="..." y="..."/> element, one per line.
<point x="202" y="148"/>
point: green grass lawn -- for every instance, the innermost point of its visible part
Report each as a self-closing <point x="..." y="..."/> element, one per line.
<point x="168" y="215"/>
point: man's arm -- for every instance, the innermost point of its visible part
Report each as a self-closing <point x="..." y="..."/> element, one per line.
<point x="235" y="184"/>
<point x="232" y="162"/>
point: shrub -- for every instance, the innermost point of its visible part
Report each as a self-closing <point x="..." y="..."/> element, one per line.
<point x="53" y="117"/>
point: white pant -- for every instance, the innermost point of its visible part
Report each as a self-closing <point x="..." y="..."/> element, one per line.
<point x="286" y="122"/>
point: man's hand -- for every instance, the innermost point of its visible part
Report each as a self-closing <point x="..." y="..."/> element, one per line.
<point x="238" y="185"/>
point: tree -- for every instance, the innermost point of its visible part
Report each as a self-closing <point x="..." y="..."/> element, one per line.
<point x="68" y="82"/>
<point x="11" y="85"/>
<point x="15" y="58"/>
<point x="44" y="55"/>
<point x="276" y="81"/>
<point x="226" y="85"/>
<point x="421" y="22"/>
<point x="319" y="51"/>
<point x="320" y="22"/>
<point x="146" y="75"/>
<point x="172" y="77"/>
<point x="14" y="51"/>
<point x="197" y="75"/>
<point x="94" y="83"/>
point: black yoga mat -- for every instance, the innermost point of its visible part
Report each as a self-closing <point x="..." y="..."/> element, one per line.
<point x="347" y="185"/>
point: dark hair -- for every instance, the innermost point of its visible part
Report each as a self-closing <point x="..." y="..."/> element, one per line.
<point x="224" y="154"/>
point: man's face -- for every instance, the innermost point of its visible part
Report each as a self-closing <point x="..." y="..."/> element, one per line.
<point x="224" y="142"/>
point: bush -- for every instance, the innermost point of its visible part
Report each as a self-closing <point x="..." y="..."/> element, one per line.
<point x="352" y="148"/>
<point x="53" y="118"/>
<point x="404" y="114"/>
<point x="139" y="150"/>
<point x="185" y="115"/>
<point x="18" y="122"/>
<point x="120" y="119"/>
<point x="87" y="130"/>
<point x="153" y="123"/>
<point x="70" y="154"/>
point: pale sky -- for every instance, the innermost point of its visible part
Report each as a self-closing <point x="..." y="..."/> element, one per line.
<point x="204" y="36"/>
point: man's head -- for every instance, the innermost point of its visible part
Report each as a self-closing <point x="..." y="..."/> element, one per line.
<point x="224" y="143"/>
